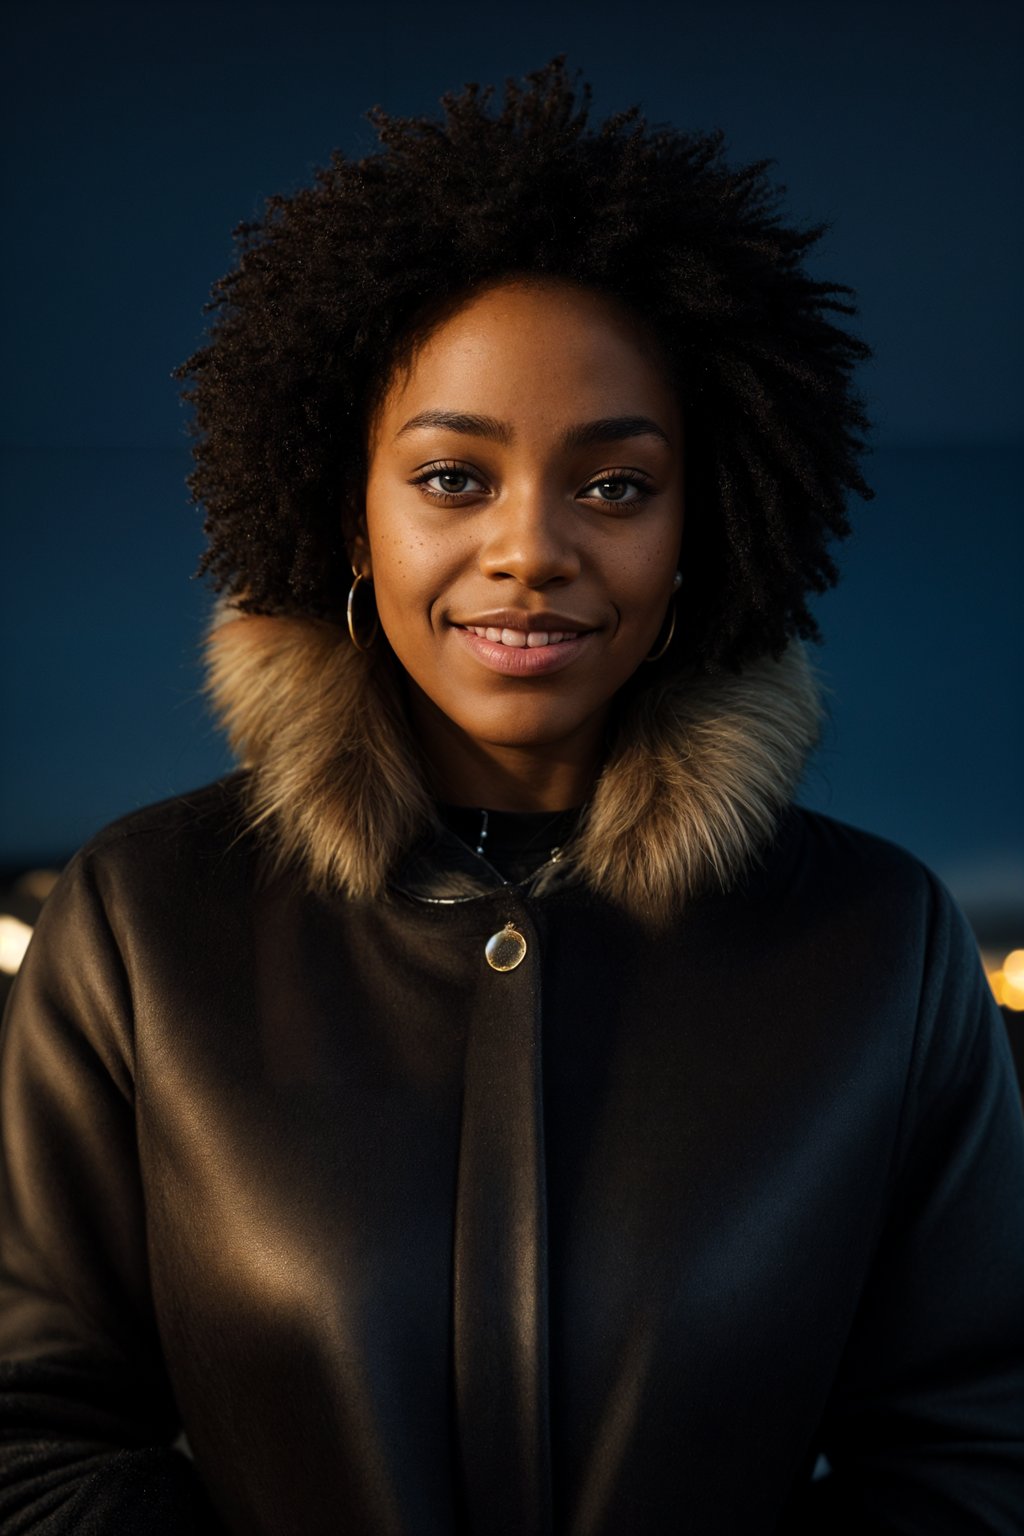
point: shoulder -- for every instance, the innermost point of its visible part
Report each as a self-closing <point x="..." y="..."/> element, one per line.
<point x="862" y="911"/>
<point x="839" y="843"/>
<point x="200" y="826"/>
<point x="162" y="857"/>
<point x="200" y="816"/>
<point x="890" y="957"/>
<point x="138" y="886"/>
<point x="833" y="863"/>
<point x="881" y="916"/>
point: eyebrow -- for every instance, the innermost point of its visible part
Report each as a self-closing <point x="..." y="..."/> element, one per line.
<point x="608" y="429"/>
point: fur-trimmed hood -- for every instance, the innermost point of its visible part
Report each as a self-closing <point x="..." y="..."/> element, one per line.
<point x="697" y="773"/>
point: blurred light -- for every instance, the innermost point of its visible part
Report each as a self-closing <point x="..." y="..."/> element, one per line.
<point x="37" y="883"/>
<point x="1013" y="997"/>
<point x="1005" y="991"/>
<point x="14" y="937"/>
<point x="1013" y="968"/>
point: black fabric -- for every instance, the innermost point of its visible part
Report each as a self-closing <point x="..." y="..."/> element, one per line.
<point x="611" y="1244"/>
<point x="515" y="843"/>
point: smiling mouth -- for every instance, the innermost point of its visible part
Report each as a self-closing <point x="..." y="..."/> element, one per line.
<point x="531" y="639"/>
<point x="523" y="653"/>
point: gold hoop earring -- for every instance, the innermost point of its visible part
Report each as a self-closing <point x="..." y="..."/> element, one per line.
<point x="659" y="653"/>
<point x="677" y="582"/>
<point x="350" y="614"/>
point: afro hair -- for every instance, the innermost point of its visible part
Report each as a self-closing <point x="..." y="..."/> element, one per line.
<point x="334" y="285"/>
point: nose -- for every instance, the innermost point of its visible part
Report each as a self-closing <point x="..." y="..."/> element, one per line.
<point x="530" y="539"/>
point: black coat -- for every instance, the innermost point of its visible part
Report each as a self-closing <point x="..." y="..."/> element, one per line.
<point x="613" y="1243"/>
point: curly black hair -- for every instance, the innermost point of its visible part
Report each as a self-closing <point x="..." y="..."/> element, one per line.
<point x="335" y="285"/>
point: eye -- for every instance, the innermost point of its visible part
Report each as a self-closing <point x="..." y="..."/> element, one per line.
<point x="451" y="480"/>
<point x="618" y="487"/>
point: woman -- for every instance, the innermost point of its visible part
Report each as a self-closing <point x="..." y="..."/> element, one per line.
<point x="498" y="1108"/>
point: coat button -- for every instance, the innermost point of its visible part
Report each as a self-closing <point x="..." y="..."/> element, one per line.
<point x="506" y="949"/>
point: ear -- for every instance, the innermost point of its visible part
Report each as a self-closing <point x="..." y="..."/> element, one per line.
<point x="359" y="551"/>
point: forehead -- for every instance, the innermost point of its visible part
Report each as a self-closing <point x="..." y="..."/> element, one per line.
<point x="534" y="352"/>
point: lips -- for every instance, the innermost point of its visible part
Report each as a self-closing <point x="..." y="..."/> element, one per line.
<point x="524" y="653"/>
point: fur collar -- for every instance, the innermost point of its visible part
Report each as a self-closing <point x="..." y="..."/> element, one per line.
<point x="698" y="772"/>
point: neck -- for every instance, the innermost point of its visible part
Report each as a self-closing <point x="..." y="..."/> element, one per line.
<point x="534" y="777"/>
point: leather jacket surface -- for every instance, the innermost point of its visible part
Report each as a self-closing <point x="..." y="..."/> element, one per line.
<point x="614" y="1242"/>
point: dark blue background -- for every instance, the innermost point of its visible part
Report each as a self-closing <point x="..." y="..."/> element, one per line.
<point x="139" y="134"/>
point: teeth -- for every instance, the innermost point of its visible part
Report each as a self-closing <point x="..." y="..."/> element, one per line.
<point x="520" y="638"/>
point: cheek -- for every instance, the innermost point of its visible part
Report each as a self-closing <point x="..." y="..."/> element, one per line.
<point x="412" y="571"/>
<point x="644" y="574"/>
<point x="414" y="563"/>
<point x="399" y="552"/>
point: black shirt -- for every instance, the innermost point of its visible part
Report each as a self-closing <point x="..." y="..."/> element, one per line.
<point x="515" y="843"/>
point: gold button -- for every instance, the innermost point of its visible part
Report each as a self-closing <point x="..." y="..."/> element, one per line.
<point x="506" y="949"/>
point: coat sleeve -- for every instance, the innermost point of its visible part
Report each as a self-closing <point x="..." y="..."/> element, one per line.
<point x="925" y="1428"/>
<point x="87" y="1414"/>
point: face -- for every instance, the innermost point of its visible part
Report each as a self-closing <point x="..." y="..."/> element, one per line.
<point x="523" y="521"/>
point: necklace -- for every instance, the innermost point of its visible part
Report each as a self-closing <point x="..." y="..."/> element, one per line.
<point x="514" y="843"/>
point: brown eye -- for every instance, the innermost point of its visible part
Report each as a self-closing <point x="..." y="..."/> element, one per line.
<point x="619" y="490"/>
<point x="446" y="482"/>
<point x="613" y="490"/>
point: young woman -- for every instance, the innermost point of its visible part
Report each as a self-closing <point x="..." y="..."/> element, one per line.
<point x="497" y="1108"/>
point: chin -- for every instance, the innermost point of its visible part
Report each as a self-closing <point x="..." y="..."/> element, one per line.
<point x="522" y="728"/>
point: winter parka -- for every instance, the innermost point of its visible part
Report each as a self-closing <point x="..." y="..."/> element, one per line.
<point x="315" y="1223"/>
